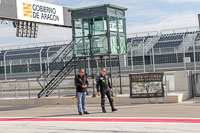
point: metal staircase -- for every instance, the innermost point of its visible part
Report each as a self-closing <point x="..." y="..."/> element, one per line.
<point x="60" y="68"/>
<point x="53" y="56"/>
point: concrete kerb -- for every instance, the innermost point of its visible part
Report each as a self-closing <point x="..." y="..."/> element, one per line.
<point x="120" y="99"/>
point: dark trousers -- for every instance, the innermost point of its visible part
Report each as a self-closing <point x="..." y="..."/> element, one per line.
<point x="108" y="94"/>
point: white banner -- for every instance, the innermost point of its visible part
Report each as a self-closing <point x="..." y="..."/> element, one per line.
<point x="35" y="11"/>
<point x="187" y="60"/>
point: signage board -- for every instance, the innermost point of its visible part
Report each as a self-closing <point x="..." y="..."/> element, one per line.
<point x="146" y="85"/>
<point x="34" y="11"/>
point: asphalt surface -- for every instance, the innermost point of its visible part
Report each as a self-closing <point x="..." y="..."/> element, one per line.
<point x="186" y="110"/>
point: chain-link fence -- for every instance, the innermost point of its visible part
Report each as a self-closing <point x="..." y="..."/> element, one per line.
<point x="27" y="61"/>
<point x="145" y="57"/>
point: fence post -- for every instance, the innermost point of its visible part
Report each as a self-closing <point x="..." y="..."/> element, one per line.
<point x="10" y="63"/>
<point x="4" y="58"/>
<point x="105" y="62"/>
<point x="143" y="56"/>
<point x="29" y="91"/>
<point x="97" y="63"/>
<point x="1" y="90"/>
<point x="194" y="52"/>
<point x="15" y="89"/>
<point x="195" y="65"/>
<point x="132" y="57"/>
<point x="48" y="60"/>
<point x="175" y="50"/>
<point x="27" y="64"/>
<point x="30" y="61"/>
<point x="153" y="55"/>
<point x="45" y="64"/>
<point x="59" y="94"/>
<point x="20" y="62"/>
<point x="184" y="54"/>
<point x="115" y="83"/>
<point x="41" y="60"/>
<point x="44" y="84"/>
<point x="89" y="66"/>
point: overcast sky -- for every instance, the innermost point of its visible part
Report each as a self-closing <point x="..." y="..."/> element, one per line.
<point x="142" y="15"/>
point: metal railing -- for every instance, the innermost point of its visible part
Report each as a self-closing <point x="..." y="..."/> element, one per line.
<point x="29" y="89"/>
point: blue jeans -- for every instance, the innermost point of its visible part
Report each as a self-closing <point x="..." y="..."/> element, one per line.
<point x="81" y="96"/>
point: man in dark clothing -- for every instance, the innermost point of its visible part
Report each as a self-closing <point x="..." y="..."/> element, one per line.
<point x="105" y="89"/>
<point x="81" y="84"/>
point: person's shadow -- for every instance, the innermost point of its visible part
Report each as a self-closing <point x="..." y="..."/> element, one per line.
<point x="68" y="115"/>
<point x="13" y="108"/>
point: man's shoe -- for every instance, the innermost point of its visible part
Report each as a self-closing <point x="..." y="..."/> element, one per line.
<point x="86" y="113"/>
<point x="80" y="113"/>
<point x="113" y="110"/>
<point x="104" y="111"/>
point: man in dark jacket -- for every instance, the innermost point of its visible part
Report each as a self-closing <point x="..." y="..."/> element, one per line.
<point x="81" y="83"/>
<point x="105" y="89"/>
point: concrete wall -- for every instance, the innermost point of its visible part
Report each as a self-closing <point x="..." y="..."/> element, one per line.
<point x="181" y="81"/>
<point x="67" y="88"/>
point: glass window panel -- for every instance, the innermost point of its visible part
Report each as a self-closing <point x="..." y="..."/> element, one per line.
<point x="113" y="42"/>
<point x="78" y="27"/>
<point x="99" y="45"/>
<point x="78" y="47"/>
<point x="122" y="43"/>
<point x="121" y="25"/>
<point x="113" y="24"/>
<point x="86" y="43"/>
<point x="99" y="26"/>
<point x="85" y="27"/>
<point x="82" y="46"/>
